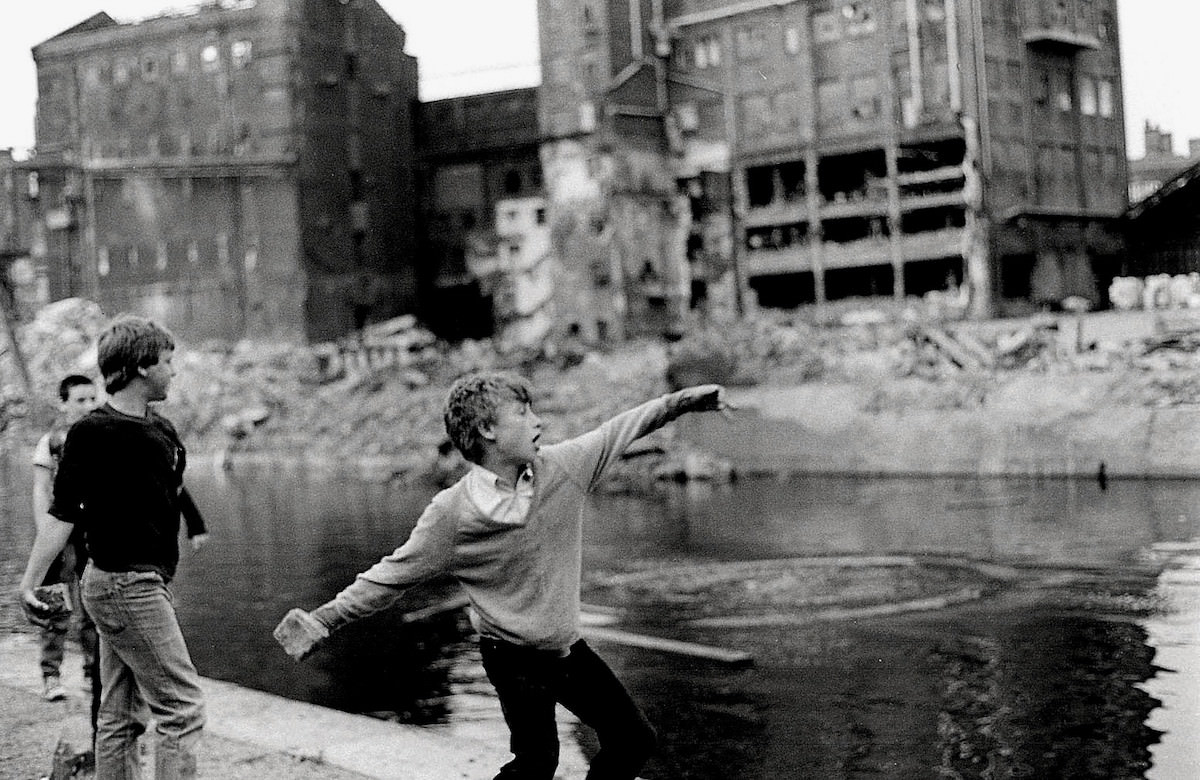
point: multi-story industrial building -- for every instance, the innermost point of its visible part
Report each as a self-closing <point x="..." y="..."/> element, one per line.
<point x="832" y="148"/>
<point x="242" y="168"/>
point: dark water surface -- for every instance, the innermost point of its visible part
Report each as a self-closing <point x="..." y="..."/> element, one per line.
<point x="1087" y="666"/>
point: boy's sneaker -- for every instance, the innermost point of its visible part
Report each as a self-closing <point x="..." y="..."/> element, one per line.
<point x="52" y="689"/>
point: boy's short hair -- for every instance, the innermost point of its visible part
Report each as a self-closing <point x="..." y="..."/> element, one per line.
<point x="127" y="344"/>
<point x="69" y="381"/>
<point x="472" y="403"/>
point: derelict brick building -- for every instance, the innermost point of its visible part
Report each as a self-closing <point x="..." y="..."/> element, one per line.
<point x="830" y="148"/>
<point x="240" y="169"/>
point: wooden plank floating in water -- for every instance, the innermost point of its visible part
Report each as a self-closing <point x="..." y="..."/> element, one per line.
<point x="842" y="613"/>
<point x="723" y="655"/>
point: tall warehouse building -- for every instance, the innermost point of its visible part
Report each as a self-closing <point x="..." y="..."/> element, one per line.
<point x="829" y="148"/>
<point x="241" y="168"/>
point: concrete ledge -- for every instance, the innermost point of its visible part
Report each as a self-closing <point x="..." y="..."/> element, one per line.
<point x="356" y="743"/>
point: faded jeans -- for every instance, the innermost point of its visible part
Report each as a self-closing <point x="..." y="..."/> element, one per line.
<point x="144" y="663"/>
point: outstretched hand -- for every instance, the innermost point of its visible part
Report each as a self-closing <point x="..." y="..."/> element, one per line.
<point x="299" y="633"/>
<point x="708" y="398"/>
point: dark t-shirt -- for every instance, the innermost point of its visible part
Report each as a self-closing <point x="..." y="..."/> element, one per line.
<point x="119" y="480"/>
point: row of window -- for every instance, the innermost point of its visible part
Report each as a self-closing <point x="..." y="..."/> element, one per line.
<point x="1096" y="96"/>
<point x="151" y="66"/>
<point x="850" y="20"/>
<point x="858" y="19"/>
<point x="132" y="259"/>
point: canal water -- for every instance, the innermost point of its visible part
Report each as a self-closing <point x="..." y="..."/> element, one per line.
<point x="1085" y="664"/>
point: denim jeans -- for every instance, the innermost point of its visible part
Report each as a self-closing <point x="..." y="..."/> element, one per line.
<point x="529" y="682"/>
<point x="144" y="664"/>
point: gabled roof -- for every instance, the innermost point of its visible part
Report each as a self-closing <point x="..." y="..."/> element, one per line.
<point x="94" y="22"/>
<point x="1165" y="192"/>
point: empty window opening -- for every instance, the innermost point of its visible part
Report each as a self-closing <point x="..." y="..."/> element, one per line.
<point x="924" y="276"/>
<point x="842" y="231"/>
<point x="852" y="177"/>
<point x="784" y="291"/>
<point x="930" y="220"/>
<point x="920" y="158"/>
<point x="865" y="282"/>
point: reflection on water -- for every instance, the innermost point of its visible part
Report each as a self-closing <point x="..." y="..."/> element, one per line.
<point x="1054" y="677"/>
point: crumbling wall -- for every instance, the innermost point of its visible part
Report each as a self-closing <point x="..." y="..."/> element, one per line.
<point x="616" y="240"/>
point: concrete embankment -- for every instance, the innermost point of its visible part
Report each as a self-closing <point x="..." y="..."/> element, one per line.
<point x="251" y="734"/>
<point x="1044" y="425"/>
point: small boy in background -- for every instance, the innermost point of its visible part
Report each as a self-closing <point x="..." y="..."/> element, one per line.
<point x="510" y="531"/>
<point x="77" y="397"/>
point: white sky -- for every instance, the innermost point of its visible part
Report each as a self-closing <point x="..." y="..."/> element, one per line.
<point x="466" y="46"/>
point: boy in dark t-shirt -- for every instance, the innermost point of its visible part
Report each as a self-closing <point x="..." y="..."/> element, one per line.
<point x="120" y="481"/>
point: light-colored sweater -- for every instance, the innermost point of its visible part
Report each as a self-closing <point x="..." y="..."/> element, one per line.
<point x="522" y="580"/>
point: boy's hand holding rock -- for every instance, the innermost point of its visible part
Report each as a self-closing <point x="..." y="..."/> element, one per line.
<point x="299" y="633"/>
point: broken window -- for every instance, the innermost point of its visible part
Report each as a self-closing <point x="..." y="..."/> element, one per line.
<point x="1104" y="97"/>
<point x="1042" y="95"/>
<point x="1062" y="91"/>
<point x="240" y="53"/>
<point x="792" y="40"/>
<point x="210" y="58"/>
<point x="760" y="185"/>
<point x="860" y="18"/>
<point x="1087" y="96"/>
<point x="707" y="51"/>
<point x="150" y="67"/>
<point x="867" y="102"/>
<point x="791" y="177"/>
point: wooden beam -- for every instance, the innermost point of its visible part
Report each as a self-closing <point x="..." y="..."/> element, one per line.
<point x="719" y="654"/>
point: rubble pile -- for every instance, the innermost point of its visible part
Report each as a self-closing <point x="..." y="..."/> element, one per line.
<point x="378" y="394"/>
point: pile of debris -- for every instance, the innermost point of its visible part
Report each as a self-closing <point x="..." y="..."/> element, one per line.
<point x="936" y="350"/>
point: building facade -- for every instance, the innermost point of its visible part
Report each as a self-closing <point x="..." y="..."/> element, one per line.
<point x="244" y="168"/>
<point x="827" y="148"/>
<point x="478" y="166"/>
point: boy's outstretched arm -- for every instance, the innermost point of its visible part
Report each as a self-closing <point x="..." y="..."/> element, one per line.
<point x="592" y="453"/>
<point x="422" y="557"/>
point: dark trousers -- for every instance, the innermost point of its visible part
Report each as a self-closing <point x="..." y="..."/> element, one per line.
<point x="530" y="682"/>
